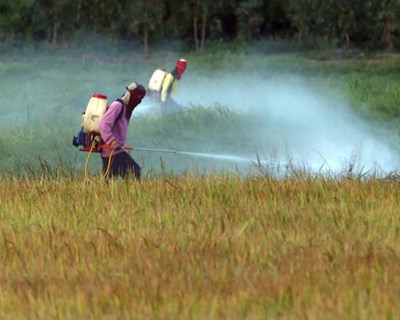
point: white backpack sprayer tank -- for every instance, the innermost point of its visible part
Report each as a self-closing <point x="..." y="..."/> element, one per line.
<point x="89" y="136"/>
<point x="155" y="83"/>
<point x="95" y="109"/>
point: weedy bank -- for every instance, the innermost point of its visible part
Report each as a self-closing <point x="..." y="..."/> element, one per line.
<point x="201" y="247"/>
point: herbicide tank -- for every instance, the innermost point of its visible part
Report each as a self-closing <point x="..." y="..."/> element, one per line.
<point x="157" y="79"/>
<point x="96" y="107"/>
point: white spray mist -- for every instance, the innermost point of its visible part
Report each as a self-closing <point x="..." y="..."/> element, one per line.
<point x="302" y="124"/>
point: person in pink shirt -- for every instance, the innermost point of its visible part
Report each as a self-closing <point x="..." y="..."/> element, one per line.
<point x="114" y="129"/>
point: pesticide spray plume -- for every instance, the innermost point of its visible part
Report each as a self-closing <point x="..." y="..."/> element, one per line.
<point x="272" y="166"/>
<point x="155" y="150"/>
<point x="198" y="154"/>
<point x="306" y="123"/>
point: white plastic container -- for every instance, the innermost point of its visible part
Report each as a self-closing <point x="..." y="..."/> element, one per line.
<point x="156" y="80"/>
<point x="95" y="109"/>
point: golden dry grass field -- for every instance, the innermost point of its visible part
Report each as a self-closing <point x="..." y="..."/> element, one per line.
<point x="200" y="247"/>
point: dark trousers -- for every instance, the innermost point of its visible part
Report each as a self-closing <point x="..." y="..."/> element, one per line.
<point x="122" y="164"/>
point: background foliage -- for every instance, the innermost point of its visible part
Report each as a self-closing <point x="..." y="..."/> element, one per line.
<point x="193" y="24"/>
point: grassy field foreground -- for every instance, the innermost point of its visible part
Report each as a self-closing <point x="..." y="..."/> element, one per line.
<point x="200" y="247"/>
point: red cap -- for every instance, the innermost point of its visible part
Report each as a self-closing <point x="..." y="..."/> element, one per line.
<point x="99" y="95"/>
<point x="181" y="65"/>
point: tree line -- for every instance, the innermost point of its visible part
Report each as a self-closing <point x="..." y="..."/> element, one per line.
<point x="198" y="23"/>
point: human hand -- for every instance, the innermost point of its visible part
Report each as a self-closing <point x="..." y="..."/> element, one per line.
<point x="115" y="146"/>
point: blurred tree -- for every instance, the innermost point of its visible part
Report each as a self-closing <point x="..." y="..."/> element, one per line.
<point x="275" y="20"/>
<point x="54" y="20"/>
<point x="146" y="16"/>
<point x="202" y="12"/>
<point x="249" y="19"/>
<point x="336" y="21"/>
<point x="177" y="22"/>
<point x="194" y="22"/>
<point x="389" y="21"/>
<point x="15" y="19"/>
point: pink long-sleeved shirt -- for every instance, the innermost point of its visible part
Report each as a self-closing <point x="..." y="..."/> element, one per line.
<point x="114" y="126"/>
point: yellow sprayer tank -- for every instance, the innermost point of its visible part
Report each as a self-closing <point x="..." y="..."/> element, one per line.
<point x="95" y="109"/>
<point x="157" y="79"/>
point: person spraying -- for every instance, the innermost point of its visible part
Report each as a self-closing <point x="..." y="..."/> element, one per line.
<point x="163" y="87"/>
<point x="114" y="129"/>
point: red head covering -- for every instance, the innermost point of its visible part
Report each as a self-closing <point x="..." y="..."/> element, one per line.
<point x="181" y="65"/>
<point x="133" y="97"/>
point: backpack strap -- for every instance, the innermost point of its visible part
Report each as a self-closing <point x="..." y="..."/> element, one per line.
<point x="122" y="109"/>
<point x="169" y="89"/>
